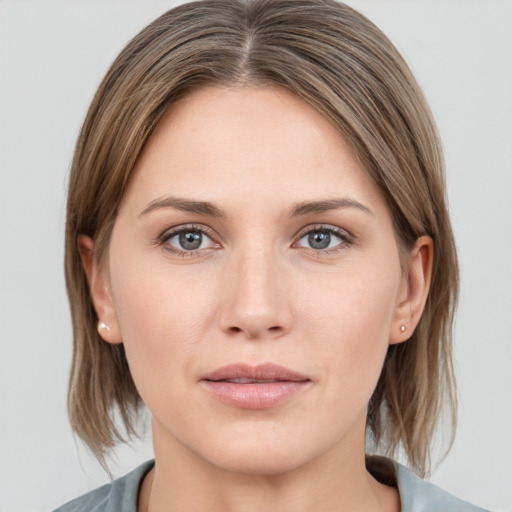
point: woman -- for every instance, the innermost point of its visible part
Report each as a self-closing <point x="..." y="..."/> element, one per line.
<point x="258" y="249"/>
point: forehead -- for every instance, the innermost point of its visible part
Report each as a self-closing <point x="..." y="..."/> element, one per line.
<point x="220" y="144"/>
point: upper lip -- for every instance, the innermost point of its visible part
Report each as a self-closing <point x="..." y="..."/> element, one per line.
<point x="260" y="372"/>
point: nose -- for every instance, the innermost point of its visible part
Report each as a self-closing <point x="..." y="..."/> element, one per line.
<point x="255" y="296"/>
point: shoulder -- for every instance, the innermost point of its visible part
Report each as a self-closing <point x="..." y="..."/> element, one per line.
<point x="118" y="496"/>
<point x="417" y="495"/>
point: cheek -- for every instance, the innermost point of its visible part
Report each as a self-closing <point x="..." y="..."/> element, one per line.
<point x="162" y="315"/>
<point x="350" y="317"/>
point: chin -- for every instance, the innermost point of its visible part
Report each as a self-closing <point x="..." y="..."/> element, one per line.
<point x="260" y="461"/>
<point x="256" y="454"/>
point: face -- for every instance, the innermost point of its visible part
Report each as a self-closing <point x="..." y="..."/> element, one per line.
<point x="254" y="278"/>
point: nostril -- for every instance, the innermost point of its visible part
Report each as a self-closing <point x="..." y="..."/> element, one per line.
<point x="274" y="329"/>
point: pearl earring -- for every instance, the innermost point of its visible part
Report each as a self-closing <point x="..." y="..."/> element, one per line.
<point x="103" y="325"/>
<point x="402" y="328"/>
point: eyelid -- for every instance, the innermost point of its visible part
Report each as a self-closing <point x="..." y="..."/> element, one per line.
<point x="346" y="238"/>
<point x="173" y="230"/>
<point x="180" y="228"/>
<point x="341" y="232"/>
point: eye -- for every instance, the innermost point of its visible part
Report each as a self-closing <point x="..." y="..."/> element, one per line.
<point x="188" y="239"/>
<point x="324" y="238"/>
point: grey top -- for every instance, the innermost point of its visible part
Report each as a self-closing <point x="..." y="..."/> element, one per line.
<point x="416" y="494"/>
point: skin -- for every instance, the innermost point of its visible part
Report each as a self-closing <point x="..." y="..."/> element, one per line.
<point x="256" y="291"/>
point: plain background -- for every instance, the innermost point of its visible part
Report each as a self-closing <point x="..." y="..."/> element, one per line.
<point x="52" y="56"/>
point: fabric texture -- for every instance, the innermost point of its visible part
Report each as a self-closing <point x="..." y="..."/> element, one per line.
<point x="416" y="494"/>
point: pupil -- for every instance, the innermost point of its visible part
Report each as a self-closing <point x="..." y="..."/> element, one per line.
<point x="319" y="240"/>
<point x="190" y="240"/>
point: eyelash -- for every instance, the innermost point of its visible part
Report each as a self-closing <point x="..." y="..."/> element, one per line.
<point x="168" y="235"/>
<point x="345" y="239"/>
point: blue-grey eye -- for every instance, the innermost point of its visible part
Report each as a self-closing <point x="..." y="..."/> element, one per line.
<point x="190" y="240"/>
<point x="320" y="239"/>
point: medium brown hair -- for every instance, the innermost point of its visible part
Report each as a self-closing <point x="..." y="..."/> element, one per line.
<point x="335" y="60"/>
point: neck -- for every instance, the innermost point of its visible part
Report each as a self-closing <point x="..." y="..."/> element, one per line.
<point x="182" y="481"/>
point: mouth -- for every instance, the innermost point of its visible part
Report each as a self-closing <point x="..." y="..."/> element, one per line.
<point x="254" y="387"/>
<point x="246" y="380"/>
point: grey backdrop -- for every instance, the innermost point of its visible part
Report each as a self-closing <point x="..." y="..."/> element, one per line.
<point x="52" y="56"/>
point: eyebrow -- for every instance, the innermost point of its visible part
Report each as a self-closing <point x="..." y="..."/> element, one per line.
<point x="185" y="205"/>
<point x="209" y="209"/>
<point x="310" y="207"/>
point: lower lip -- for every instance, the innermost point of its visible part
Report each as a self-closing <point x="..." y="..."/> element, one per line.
<point x="255" y="396"/>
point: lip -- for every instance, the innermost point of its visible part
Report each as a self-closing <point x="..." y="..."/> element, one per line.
<point x="256" y="387"/>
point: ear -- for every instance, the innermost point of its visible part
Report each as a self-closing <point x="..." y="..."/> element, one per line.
<point x="108" y="326"/>
<point x="413" y="291"/>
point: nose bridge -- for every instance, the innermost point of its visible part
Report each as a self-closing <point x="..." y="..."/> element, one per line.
<point x="256" y="300"/>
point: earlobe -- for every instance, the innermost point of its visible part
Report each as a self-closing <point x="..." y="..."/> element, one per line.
<point x="414" y="291"/>
<point x="108" y="327"/>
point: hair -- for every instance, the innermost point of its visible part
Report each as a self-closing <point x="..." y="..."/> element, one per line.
<point x="340" y="63"/>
